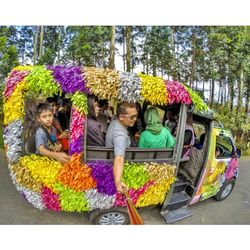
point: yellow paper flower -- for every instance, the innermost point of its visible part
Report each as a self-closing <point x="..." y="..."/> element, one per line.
<point x="154" y="89"/>
<point x="23" y="68"/>
<point x="14" y="106"/>
<point x="43" y="169"/>
<point x="155" y="194"/>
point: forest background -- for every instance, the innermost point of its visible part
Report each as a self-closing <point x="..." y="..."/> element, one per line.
<point x="212" y="60"/>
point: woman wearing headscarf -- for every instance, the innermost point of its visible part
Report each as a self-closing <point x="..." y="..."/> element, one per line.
<point x="155" y="135"/>
<point x="95" y="135"/>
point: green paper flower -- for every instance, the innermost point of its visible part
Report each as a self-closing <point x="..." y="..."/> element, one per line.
<point x="40" y="80"/>
<point x="70" y="200"/>
<point x="196" y="99"/>
<point x="134" y="175"/>
<point x="79" y="100"/>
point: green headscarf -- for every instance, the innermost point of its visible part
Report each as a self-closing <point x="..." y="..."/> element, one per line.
<point x="153" y="120"/>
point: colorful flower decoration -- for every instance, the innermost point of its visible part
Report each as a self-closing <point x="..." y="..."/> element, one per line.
<point x="71" y="200"/>
<point x="154" y="89"/>
<point x="13" y="79"/>
<point x="13" y="140"/>
<point x="79" y="101"/>
<point x="103" y="83"/>
<point x="41" y="80"/>
<point x="103" y="174"/>
<point x="14" y="106"/>
<point x="77" y="128"/>
<point x="196" y="99"/>
<point x="50" y="199"/>
<point x="76" y="175"/>
<point x="70" y="78"/>
<point x="177" y="93"/>
<point x="130" y="87"/>
<point x="78" y="186"/>
<point x="43" y="169"/>
<point x="24" y="178"/>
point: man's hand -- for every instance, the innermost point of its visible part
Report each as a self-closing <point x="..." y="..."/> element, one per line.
<point x="121" y="187"/>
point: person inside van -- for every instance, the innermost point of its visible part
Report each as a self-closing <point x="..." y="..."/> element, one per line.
<point x="138" y="127"/>
<point x="117" y="137"/>
<point x="45" y="137"/>
<point x="189" y="137"/>
<point x="95" y="136"/>
<point x="201" y="142"/>
<point x="155" y="135"/>
<point x="62" y="136"/>
<point x="105" y="115"/>
<point x="170" y="123"/>
<point x="63" y="113"/>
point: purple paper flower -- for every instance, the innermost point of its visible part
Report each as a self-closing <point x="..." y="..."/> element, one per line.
<point x="70" y="78"/>
<point x="76" y="146"/>
<point x="102" y="172"/>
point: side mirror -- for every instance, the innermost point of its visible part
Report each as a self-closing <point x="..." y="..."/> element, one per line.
<point x="238" y="152"/>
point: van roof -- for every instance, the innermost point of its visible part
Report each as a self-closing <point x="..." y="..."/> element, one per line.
<point x="104" y="83"/>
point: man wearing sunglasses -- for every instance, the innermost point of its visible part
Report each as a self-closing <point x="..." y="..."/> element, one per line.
<point x="117" y="137"/>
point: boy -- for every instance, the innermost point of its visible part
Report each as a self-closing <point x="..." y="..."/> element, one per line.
<point x="46" y="141"/>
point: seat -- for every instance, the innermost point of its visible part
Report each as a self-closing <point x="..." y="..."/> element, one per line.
<point x="132" y="154"/>
<point x="30" y="145"/>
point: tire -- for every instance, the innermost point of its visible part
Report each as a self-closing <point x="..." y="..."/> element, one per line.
<point x="113" y="216"/>
<point x="225" y="190"/>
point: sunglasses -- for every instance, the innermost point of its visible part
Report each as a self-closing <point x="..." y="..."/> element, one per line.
<point x="132" y="117"/>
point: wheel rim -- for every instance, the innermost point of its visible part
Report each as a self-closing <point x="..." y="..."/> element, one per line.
<point x="112" y="218"/>
<point x="227" y="190"/>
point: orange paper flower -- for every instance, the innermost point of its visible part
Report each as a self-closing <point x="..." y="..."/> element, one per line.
<point x="76" y="175"/>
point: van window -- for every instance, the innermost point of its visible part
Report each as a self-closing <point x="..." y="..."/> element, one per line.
<point x="225" y="147"/>
<point x="199" y="129"/>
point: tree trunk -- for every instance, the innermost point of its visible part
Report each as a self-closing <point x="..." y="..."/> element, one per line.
<point x="35" y="45"/>
<point x="220" y="90"/>
<point x="174" y="69"/>
<point x="128" y="47"/>
<point x="225" y="94"/>
<point x="147" y="66"/>
<point x="231" y="90"/>
<point x="41" y="43"/>
<point x="241" y="83"/>
<point x="212" y="94"/>
<point x="124" y="50"/>
<point x="193" y="60"/>
<point x="247" y="95"/>
<point x="112" y="49"/>
<point x="59" y="45"/>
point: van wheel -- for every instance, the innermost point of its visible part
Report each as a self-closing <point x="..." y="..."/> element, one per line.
<point x="225" y="190"/>
<point x="114" y="216"/>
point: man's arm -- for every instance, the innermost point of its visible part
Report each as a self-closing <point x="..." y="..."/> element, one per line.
<point x="59" y="156"/>
<point x="118" y="170"/>
<point x="120" y="146"/>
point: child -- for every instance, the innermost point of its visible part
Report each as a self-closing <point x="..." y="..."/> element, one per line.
<point x="62" y="136"/>
<point x="45" y="138"/>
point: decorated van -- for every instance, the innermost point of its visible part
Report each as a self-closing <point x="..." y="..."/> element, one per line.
<point x="163" y="177"/>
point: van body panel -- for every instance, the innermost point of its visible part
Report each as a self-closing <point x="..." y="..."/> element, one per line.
<point x="217" y="170"/>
